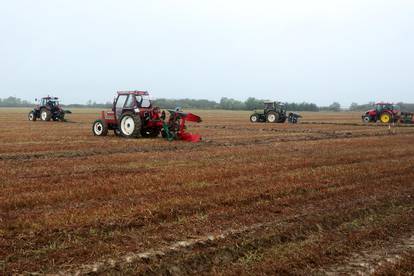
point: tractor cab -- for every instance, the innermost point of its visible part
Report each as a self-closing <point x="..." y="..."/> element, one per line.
<point x="50" y="102"/>
<point x="133" y="101"/>
<point x="269" y="105"/>
<point x="274" y="106"/>
<point x="379" y="107"/>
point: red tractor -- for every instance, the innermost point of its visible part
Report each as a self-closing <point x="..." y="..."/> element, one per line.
<point x="47" y="109"/>
<point x="133" y="116"/>
<point x="383" y="112"/>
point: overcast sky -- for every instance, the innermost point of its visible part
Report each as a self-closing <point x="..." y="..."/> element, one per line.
<point x="298" y="50"/>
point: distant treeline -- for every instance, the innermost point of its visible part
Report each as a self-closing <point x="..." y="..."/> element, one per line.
<point x="225" y="103"/>
<point x="14" y="102"/>
<point x="228" y="104"/>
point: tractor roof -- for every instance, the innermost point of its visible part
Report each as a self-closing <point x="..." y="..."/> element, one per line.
<point x="383" y="103"/>
<point x="50" y="98"/>
<point x="133" y="92"/>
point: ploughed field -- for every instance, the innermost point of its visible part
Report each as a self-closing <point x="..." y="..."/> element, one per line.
<point x="326" y="196"/>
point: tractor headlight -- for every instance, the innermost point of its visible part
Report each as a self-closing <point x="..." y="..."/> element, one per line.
<point x="136" y="110"/>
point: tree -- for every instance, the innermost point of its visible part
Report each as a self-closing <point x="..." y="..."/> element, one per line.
<point x="335" y="106"/>
<point x="353" y="107"/>
<point x="231" y="104"/>
<point x="253" y="103"/>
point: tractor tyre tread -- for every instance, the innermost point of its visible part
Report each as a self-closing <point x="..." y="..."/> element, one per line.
<point x="48" y="114"/>
<point x="104" y="130"/>
<point x="32" y="116"/>
<point x="272" y="113"/>
<point x="137" y="130"/>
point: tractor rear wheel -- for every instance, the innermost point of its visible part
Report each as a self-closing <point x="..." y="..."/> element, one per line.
<point x="254" y="118"/>
<point x="130" y="125"/>
<point x="385" y="118"/>
<point x="32" y="116"/>
<point x="45" y="115"/>
<point x="99" y="128"/>
<point x="272" y="117"/>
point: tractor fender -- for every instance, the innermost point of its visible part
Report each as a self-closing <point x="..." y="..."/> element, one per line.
<point x="371" y="113"/>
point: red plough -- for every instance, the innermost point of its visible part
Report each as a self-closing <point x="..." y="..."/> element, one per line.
<point x="175" y="127"/>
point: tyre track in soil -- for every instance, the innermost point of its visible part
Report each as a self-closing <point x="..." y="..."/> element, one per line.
<point x="313" y="123"/>
<point x="205" y="242"/>
<point x="368" y="262"/>
<point x="175" y="247"/>
<point x="355" y="124"/>
<point x="187" y="147"/>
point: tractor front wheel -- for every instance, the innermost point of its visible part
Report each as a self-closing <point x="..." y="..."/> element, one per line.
<point x="254" y="118"/>
<point x="272" y="117"/>
<point x="130" y="125"/>
<point x="385" y="118"/>
<point x="32" y="116"/>
<point x="366" y="119"/>
<point x="99" y="128"/>
<point x="45" y="114"/>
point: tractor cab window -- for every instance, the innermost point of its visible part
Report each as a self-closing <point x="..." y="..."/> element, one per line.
<point x="44" y="102"/>
<point x="145" y="101"/>
<point x="268" y="105"/>
<point x="49" y="101"/>
<point x="121" y="101"/>
<point x="131" y="102"/>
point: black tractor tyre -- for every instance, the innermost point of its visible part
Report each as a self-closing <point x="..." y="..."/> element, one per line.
<point x="45" y="114"/>
<point x="32" y="116"/>
<point x="99" y="128"/>
<point x="272" y="117"/>
<point x="130" y="125"/>
<point x="254" y="118"/>
<point x="282" y="119"/>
